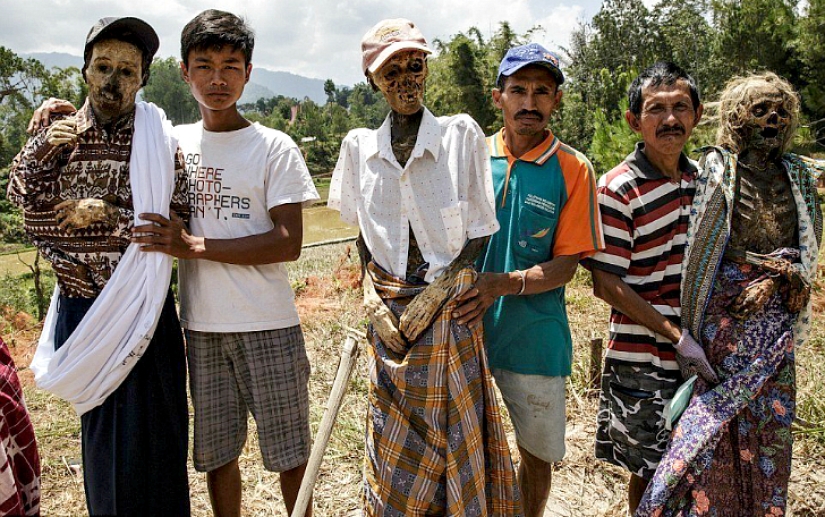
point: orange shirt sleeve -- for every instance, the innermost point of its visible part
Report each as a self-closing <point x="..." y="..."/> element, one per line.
<point x="580" y="226"/>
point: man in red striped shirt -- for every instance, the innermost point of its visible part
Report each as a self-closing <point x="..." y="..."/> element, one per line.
<point x="645" y="206"/>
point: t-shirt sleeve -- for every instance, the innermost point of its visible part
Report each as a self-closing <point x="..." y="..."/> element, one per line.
<point x="617" y="222"/>
<point x="481" y="216"/>
<point x="579" y="231"/>
<point x="343" y="191"/>
<point x="288" y="179"/>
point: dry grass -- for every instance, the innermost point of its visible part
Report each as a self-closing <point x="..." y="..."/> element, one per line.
<point x="323" y="279"/>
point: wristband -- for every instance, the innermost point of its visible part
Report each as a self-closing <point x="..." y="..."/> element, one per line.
<point x="523" y="276"/>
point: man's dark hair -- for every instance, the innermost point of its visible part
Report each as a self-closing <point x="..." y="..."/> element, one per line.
<point x="663" y="72"/>
<point x="127" y="37"/>
<point x="213" y="29"/>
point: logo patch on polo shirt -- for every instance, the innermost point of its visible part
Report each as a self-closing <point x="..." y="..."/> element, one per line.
<point x="542" y="204"/>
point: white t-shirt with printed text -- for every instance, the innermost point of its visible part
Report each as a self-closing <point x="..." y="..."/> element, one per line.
<point x="235" y="178"/>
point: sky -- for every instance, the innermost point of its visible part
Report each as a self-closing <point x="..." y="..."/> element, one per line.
<point x="313" y="38"/>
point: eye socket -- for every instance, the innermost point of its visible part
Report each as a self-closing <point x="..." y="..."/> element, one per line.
<point x="759" y="110"/>
<point x="126" y="72"/>
<point x="782" y="112"/>
<point x="102" y="68"/>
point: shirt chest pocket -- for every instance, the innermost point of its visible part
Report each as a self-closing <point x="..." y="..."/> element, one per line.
<point x="534" y="241"/>
<point x="453" y="218"/>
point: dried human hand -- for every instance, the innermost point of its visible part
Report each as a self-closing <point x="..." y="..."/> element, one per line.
<point x="383" y="321"/>
<point x="421" y="312"/>
<point x="62" y="132"/>
<point x="753" y="298"/>
<point x="75" y="214"/>
<point x="795" y="289"/>
<point x="42" y="115"/>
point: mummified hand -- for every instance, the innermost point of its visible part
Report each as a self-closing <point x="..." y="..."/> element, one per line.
<point x="796" y="290"/>
<point x="82" y="213"/>
<point x="424" y="308"/>
<point x="383" y="321"/>
<point x="62" y="132"/>
<point x="753" y="298"/>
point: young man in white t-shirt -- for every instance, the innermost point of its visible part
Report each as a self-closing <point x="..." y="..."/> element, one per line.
<point x="247" y="185"/>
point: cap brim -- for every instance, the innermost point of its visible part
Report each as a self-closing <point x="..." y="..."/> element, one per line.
<point x="394" y="48"/>
<point x="137" y="26"/>
<point x="557" y="73"/>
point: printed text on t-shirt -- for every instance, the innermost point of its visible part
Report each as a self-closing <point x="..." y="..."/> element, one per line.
<point x="207" y="192"/>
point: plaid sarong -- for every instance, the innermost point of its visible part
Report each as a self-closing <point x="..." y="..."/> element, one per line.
<point x="19" y="459"/>
<point x="435" y="443"/>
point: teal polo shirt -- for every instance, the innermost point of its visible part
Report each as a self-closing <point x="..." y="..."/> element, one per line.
<point x="546" y="207"/>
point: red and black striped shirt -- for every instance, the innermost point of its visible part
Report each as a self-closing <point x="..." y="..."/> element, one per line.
<point x="645" y="218"/>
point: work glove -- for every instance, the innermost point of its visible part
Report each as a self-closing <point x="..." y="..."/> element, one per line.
<point x="692" y="360"/>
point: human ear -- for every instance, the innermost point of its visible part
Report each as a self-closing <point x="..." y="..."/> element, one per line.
<point x="632" y="121"/>
<point x="184" y="72"/>
<point x="497" y="97"/>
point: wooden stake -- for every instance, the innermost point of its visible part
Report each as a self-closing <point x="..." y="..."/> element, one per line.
<point x="339" y="388"/>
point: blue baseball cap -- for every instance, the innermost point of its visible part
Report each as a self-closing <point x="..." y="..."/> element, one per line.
<point x="530" y="54"/>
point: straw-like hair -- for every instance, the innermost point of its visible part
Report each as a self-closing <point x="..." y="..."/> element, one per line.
<point x="737" y="99"/>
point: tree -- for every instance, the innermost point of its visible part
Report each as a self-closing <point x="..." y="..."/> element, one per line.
<point x="168" y="90"/>
<point x="756" y="35"/>
<point x="810" y="44"/>
<point x="687" y="39"/>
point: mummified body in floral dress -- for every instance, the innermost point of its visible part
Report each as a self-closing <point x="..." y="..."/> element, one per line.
<point x="753" y="243"/>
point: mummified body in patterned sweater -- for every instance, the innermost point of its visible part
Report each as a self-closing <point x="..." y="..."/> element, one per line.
<point x="72" y="182"/>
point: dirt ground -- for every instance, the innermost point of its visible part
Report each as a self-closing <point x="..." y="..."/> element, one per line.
<point x="324" y="278"/>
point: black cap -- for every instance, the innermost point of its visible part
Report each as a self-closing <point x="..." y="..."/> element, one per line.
<point x="116" y="27"/>
<point x="113" y="26"/>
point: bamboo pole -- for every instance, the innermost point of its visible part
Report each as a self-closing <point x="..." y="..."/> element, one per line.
<point x="349" y="354"/>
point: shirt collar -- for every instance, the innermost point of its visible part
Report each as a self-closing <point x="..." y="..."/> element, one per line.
<point x="538" y="155"/>
<point x="429" y="138"/>
<point x="637" y="160"/>
<point x="86" y="119"/>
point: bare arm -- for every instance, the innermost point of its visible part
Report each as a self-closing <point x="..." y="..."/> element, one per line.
<point x="613" y="290"/>
<point x="540" y="278"/>
<point x="280" y="244"/>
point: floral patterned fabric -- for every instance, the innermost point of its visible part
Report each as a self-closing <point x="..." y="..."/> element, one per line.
<point x="731" y="451"/>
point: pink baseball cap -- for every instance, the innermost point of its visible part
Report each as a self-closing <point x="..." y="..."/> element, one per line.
<point x="387" y="38"/>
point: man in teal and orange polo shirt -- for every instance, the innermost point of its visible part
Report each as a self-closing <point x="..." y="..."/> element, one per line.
<point x="546" y="206"/>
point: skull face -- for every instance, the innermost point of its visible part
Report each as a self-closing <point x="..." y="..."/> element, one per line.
<point x="768" y="122"/>
<point x="114" y="77"/>
<point x="401" y="80"/>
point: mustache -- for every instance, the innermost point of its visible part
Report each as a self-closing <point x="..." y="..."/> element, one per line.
<point x="676" y="129"/>
<point x="528" y="113"/>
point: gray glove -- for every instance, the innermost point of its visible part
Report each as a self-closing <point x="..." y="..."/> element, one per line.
<point x="692" y="360"/>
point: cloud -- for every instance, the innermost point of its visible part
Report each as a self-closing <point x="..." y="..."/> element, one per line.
<point x="314" y="38"/>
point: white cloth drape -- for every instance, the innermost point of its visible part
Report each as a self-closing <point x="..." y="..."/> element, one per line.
<point x="115" y="332"/>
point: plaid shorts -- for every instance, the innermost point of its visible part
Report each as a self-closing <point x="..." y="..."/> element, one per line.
<point x="266" y="372"/>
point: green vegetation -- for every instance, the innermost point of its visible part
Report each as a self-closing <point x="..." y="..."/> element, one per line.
<point x="712" y="39"/>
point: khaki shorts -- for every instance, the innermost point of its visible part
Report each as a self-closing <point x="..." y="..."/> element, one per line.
<point x="536" y="404"/>
<point x="265" y="373"/>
